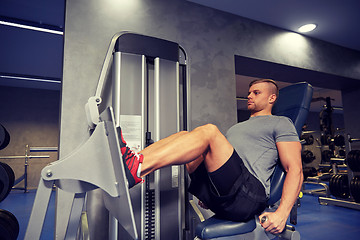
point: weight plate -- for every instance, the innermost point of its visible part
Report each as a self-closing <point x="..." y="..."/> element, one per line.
<point x="337" y="185"/>
<point x="349" y="160"/>
<point x="340" y="186"/>
<point x="9" y="225"/>
<point x="339" y="140"/>
<point x="1" y="186"/>
<point x="10" y="172"/>
<point x="326" y="155"/>
<point x="354" y="188"/>
<point x="342" y="153"/>
<point x="344" y="186"/>
<point x="332" y="185"/>
<point x="354" y="159"/>
<point x="13" y="222"/>
<point x="307" y="156"/>
<point x="4" y="137"/>
<point x="7" y="178"/>
<point x="4" y="179"/>
<point x="357" y="186"/>
<point x="354" y="164"/>
<point x="357" y="161"/>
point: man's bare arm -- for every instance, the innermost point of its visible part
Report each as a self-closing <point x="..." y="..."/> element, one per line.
<point x="290" y="157"/>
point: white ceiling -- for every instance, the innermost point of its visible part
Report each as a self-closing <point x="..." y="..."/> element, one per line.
<point x="337" y="20"/>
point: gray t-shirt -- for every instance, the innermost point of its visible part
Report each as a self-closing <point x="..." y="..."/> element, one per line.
<point x="255" y="141"/>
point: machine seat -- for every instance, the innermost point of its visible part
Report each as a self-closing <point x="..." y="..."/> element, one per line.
<point x="214" y="227"/>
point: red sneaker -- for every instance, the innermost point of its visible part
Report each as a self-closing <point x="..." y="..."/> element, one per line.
<point x="132" y="162"/>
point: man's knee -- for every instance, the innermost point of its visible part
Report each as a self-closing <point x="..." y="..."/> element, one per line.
<point x="211" y="128"/>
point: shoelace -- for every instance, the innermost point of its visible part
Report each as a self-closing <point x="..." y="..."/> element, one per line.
<point x="132" y="153"/>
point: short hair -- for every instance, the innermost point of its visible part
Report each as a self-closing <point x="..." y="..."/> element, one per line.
<point x="266" y="81"/>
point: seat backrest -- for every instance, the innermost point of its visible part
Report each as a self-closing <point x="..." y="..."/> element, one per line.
<point x="294" y="103"/>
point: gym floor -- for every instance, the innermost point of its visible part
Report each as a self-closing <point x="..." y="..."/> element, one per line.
<point x="314" y="220"/>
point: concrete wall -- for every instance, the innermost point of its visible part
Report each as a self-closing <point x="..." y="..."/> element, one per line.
<point x="31" y="116"/>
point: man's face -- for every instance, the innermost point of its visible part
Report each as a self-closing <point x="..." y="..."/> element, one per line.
<point x="259" y="97"/>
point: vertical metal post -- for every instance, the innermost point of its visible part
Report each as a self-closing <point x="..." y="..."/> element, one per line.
<point x="143" y="140"/>
<point x="178" y="168"/>
<point x="177" y="98"/>
<point x="26" y="168"/>
<point x="75" y="216"/>
<point x="349" y="141"/>
<point x="116" y="87"/>
<point x="188" y="95"/>
<point x="185" y="80"/>
<point x="39" y="210"/>
<point x="113" y="223"/>
<point x="128" y="101"/>
<point x="157" y="138"/>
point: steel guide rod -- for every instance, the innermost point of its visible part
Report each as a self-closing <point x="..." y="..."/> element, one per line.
<point x="157" y="138"/>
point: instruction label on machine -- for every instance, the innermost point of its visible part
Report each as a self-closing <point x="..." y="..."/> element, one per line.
<point x="174" y="176"/>
<point x="131" y="130"/>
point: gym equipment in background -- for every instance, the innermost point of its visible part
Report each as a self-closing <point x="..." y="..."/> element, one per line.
<point x="345" y="186"/>
<point x="26" y="158"/>
<point x="331" y="143"/>
<point x="293" y="102"/>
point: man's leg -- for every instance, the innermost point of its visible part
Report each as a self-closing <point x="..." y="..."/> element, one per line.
<point x="205" y="143"/>
<point x="132" y="161"/>
<point x="161" y="143"/>
<point x="186" y="147"/>
<point x="192" y="166"/>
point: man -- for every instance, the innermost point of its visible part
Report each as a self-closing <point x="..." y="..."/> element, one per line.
<point x="231" y="174"/>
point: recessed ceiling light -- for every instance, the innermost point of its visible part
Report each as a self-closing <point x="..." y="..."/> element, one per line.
<point x="307" y="27"/>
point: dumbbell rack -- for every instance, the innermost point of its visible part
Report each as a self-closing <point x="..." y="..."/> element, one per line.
<point x="319" y="181"/>
<point x="26" y="158"/>
<point x="347" y="202"/>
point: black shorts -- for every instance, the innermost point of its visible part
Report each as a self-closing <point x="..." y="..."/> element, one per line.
<point x="246" y="195"/>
